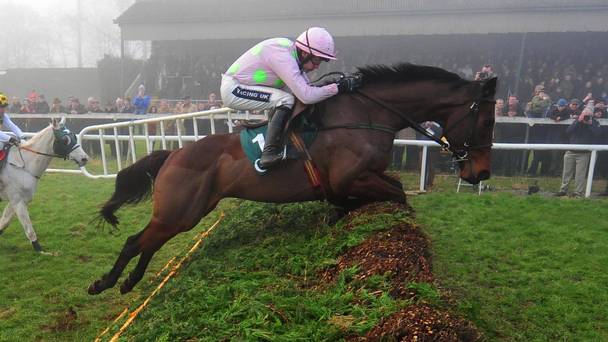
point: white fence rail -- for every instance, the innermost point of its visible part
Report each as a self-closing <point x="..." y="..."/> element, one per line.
<point x="502" y="146"/>
<point x="138" y="130"/>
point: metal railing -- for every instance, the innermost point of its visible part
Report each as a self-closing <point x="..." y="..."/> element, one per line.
<point x="425" y="144"/>
<point x="139" y="130"/>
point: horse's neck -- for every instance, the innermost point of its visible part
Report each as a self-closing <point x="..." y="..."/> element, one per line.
<point x="418" y="101"/>
<point x="42" y="142"/>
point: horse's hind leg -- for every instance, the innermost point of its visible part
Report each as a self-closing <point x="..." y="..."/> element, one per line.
<point x="7" y="215"/>
<point x="137" y="273"/>
<point x="150" y="241"/>
<point x="159" y="232"/>
<point x="128" y="252"/>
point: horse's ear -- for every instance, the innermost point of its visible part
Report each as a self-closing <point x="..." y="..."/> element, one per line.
<point x="488" y="88"/>
<point x="54" y="123"/>
<point x="62" y="122"/>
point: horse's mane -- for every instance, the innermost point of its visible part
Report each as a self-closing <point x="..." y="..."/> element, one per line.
<point x="37" y="136"/>
<point x="406" y="72"/>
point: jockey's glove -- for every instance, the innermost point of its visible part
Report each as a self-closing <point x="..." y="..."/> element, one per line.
<point x="348" y="84"/>
<point x="14" y="141"/>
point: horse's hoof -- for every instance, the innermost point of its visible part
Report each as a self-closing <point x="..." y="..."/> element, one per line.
<point x="36" y="246"/>
<point x="126" y="287"/>
<point x="336" y="215"/>
<point x="94" y="289"/>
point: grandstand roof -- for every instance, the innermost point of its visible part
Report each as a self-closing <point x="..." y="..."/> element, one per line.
<point x="209" y="19"/>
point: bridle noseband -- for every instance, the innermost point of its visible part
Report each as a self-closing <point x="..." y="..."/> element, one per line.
<point x="461" y="154"/>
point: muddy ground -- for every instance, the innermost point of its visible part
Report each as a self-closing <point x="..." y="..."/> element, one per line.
<point x="402" y="253"/>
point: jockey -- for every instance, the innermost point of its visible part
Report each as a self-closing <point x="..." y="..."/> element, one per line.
<point x="6" y="122"/>
<point x="271" y="73"/>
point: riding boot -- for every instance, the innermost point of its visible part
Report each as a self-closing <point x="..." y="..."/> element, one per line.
<point x="271" y="154"/>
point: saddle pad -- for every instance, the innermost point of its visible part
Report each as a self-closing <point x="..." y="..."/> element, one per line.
<point x="253" y="140"/>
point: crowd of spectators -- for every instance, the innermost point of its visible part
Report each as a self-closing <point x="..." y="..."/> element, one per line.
<point x="35" y="103"/>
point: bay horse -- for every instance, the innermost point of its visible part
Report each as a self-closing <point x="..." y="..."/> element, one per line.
<point x="351" y="153"/>
<point x="26" y="164"/>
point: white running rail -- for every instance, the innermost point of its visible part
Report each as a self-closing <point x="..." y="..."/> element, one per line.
<point x="138" y="130"/>
<point x="99" y="133"/>
<point x="502" y="146"/>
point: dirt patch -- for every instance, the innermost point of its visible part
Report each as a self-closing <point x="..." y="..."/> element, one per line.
<point x="421" y="323"/>
<point x="401" y="253"/>
<point x="64" y="321"/>
<point x="380" y="208"/>
<point x="85" y="258"/>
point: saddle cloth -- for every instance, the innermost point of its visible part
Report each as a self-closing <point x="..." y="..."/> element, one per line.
<point x="253" y="138"/>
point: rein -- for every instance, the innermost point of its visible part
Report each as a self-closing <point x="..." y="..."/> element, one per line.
<point x="458" y="154"/>
<point x="40" y="153"/>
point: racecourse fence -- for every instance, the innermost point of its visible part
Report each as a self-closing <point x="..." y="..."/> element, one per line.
<point x="127" y="129"/>
<point x="425" y="144"/>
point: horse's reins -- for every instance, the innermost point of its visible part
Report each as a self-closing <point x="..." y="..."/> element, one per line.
<point x="368" y="125"/>
<point x="19" y="148"/>
<point x="458" y="154"/>
<point x="37" y="152"/>
<point x="54" y="155"/>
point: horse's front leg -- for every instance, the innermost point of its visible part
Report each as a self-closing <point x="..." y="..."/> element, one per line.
<point x="375" y="187"/>
<point x="7" y="215"/>
<point x="20" y="208"/>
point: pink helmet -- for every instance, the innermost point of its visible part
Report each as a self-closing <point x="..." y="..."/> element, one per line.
<point x="318" y="42"/>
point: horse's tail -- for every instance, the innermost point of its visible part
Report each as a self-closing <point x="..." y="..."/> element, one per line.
<point x="133" y="184"/>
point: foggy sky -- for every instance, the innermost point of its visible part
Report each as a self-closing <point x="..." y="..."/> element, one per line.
<point x="43" y="33"/>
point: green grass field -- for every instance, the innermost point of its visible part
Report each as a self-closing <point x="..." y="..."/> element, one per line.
<point x="520" y="267"/>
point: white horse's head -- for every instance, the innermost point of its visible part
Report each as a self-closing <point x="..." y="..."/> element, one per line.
<point x="66" y="143"/>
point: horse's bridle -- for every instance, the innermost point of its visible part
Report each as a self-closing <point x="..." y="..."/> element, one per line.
<point x="463" y="152"/>
<point x="458" y="153"/>
<point x="61" y="135"/>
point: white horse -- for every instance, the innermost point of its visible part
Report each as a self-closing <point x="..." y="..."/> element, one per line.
<point x="26" y="163"/>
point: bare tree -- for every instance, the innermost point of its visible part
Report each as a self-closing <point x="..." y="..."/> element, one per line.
<point x="50" y="39"/>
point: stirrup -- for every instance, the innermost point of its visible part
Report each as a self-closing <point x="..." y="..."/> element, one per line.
<point x="258" y="168"/>
<point x="261" y="170"/>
